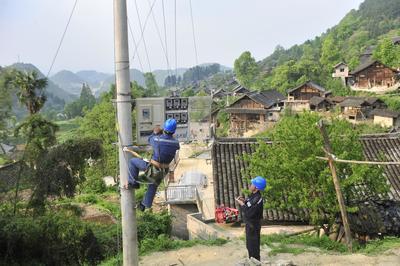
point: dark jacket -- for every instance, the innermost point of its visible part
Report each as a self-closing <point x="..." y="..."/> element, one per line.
<point x="164" y="147"/>
<point x="252" y="210"/>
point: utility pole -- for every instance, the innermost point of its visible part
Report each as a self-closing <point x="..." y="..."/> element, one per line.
<point x="339" y="195"/>
<point x="121" y="54"/>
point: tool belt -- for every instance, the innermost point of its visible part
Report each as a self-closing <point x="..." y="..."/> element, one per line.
<point x="159" y="165"/>
<point x="154" y="173"/>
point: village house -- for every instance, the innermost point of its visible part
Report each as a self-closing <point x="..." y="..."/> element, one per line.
<point x="220" y="93"/>
<point x="357" y="108"/>
<point x="254" y="110"/>
<point x="373" y="75"/>
<point x="240" y="90"/>
<point x="341" y="71"/>
<point x="354" y="109"/>
<point x="299" y="97"/>
<point x="320" y="104"/>
<point x="386" y="118"/>
<point x="367" y="54"/>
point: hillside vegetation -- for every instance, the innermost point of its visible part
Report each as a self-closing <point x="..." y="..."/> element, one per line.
<point x="373" y="24"/>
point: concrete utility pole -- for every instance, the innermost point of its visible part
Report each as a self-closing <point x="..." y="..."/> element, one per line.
<point x="129" y="228"/>
<point x="339" y="195"/>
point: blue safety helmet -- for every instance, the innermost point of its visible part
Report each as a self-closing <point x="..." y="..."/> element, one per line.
<point x="170" y="126"/>
<point x="259" y="182"/>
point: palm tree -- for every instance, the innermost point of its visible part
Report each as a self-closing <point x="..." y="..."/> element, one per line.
<point x="30" y="90"/>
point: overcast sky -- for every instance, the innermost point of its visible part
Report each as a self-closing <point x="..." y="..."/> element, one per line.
<point x="31" y="30"/>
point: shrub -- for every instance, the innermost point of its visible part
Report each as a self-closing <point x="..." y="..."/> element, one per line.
<point x="53" y="239"/>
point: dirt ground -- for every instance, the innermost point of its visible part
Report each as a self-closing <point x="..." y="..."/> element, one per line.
<point x="235" y="251"/>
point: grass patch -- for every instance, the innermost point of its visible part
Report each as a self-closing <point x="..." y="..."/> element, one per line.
<point x="374" y="247"/>
<point x="68" y="129"/>
<point x="164" y="243"/>
<point x="301" y="243"/>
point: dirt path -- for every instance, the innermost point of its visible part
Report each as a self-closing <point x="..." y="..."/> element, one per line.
<point x="235" y="251"/>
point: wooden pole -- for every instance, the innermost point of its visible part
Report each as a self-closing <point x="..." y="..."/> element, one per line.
<point x="358" y="162"/>
<point x="339" y="195"/>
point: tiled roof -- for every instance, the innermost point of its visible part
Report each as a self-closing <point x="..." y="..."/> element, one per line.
<point x="366" y="65"/>
<point x="385" y="113"/>
<point x="388" y="146"/>
<point x="354" y="102"/>
<point x="228" y="164"/>
<point x="311" y="84"/>
<point x="266" y="98"/>
<point x="316" y="100"/>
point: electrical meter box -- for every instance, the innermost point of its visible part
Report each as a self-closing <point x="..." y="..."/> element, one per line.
<point x="192" y="115"/>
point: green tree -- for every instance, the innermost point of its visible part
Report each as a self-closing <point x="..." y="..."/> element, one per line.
<point x="100" y="123"/>
<point x="246" y="69"/>
<point x="85" y="103"/>
<point x="5" y="100"/>
<point x="296" y="179"/>
<point x="151" y="84"/>
<point x="329" y="52"/>
<point x="62" y="169"/>
<point x="87" y="98"/>
<point x="188" y="92"/>
<point x="30" y="90"/>
<point x="40" y="135"/>
<point x="388" y="53"/>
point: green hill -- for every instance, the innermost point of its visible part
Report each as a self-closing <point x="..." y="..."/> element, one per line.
<point x="314" y="59"/>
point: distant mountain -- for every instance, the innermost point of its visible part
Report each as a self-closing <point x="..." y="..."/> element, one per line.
<point x="135" y="75"/>
<point x="93" y="78"/>
<point x="68" y="81"/>
<point x="51" y="88"/>
<point x="56" y="97"/>
<point x="161" y="75"/>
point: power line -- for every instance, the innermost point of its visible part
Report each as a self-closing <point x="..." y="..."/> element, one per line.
<point x="194" y="41"/>
<point x="194" y="35"/>
<point x="159" y="36"/>
<point x="176" y="44"/>
<point x="134" y="42"/>
<point x="165" y="35"/>
<point x="62" y="39"/>
<point x="142" y="30"/>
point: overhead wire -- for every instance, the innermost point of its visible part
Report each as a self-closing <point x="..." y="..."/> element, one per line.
<point x="142" y="31"/>
<point x="144" y="28"/>
<point x="135" y="44"/>
<point x="62" y="38"/>
<point x="194" y="39"/>
<point x="165" y="35"/>
<point x="176" y="43"/>
<point x="159" y="36"/>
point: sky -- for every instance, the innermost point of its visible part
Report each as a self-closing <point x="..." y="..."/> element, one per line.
<point x="31" y="30"/>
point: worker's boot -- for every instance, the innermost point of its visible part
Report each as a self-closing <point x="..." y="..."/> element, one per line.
<point x="140" y="207"/>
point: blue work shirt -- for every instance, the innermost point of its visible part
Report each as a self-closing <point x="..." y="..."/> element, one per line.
<point x="164" y="145"/>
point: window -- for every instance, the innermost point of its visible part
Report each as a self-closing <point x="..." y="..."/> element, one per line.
<point x="253" y="117"/>
<point x="146" y="114"/>
<point x="342" y="70"/>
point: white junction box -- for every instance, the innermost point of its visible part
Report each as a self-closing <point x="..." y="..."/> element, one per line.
<point x="191" y="113"/>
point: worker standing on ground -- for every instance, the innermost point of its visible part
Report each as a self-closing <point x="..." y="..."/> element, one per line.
<point x="164" y="149"/>
<point x="252" y="213"/>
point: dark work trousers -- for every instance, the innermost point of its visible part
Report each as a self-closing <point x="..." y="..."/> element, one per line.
<point x="253" y="239"/>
